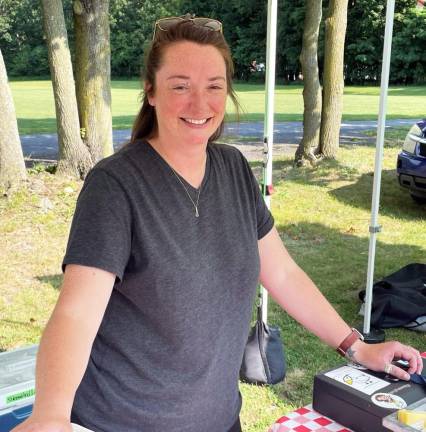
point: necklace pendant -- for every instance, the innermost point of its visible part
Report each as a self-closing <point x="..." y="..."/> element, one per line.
<point x="196" y="212"/>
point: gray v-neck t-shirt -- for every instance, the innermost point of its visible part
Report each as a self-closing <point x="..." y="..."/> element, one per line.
<point x="170" y="345"/>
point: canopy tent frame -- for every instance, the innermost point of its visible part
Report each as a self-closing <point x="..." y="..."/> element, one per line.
<point x="371" y="335"/>
<point x="268" y="126"/>
<point x="375" y="335"/>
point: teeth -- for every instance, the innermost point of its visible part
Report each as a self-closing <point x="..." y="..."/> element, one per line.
<point x="197" y="122"/>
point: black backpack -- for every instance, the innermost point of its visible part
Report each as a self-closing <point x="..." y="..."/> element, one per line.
<point x="400" y="298"/>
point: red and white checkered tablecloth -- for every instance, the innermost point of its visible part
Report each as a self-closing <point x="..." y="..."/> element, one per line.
<point x="306" y="420"/>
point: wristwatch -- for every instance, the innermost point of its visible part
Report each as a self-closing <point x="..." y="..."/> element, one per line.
<point x="349" y="340"/>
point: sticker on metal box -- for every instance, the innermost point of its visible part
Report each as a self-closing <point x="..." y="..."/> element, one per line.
<point x="357" y="379"/>
<point x="389" y="401"/>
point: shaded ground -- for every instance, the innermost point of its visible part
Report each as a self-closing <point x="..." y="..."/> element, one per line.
<point x="246" y="136"/>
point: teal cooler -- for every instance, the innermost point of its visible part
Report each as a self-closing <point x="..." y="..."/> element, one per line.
<point x="17" y="386"/>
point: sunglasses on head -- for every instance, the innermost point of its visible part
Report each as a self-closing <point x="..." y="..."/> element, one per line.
<point x="164" y="24"/>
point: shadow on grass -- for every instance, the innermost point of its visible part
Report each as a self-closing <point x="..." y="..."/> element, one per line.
<point x="323" y="174"/>
<point x="394" y="201"/>
<point x="28" y="126"/>
<point x="370" y="141"/>
<point x="337" y="263"/>
<point x="123" y="122"/>
<point x="283" y="117"/>
<point x="27" y="324"/>
<point x="123" y="84"/>
<point x="53" y="280"/>
<point x="259" y="117"/>
<point x="407" y="91"/>
<point x="371" y="90"/>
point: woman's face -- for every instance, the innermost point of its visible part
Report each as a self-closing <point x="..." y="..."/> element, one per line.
<point x="190" y="94"/>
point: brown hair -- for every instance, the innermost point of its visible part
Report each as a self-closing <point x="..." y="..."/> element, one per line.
<point x="145" y="124"/>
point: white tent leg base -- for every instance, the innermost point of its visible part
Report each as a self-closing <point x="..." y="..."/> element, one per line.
<point x="373" y="336"/>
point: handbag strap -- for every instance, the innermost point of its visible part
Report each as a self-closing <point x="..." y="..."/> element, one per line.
<point x="259" y="305"/>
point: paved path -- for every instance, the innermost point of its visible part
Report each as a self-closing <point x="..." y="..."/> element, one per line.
<point x="246" y="135"/>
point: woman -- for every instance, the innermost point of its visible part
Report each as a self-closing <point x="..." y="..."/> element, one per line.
<point x="169" y="240"/>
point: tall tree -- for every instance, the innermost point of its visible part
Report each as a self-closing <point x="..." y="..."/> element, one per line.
<point x="312" y="98"/>
<point x="12" y="165"/>
<point x="93" y="75"/>
<point x="74" y="157"/>
<point x="335" y="30"/>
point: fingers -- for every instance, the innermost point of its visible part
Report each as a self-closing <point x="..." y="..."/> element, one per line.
<point x="396" y="371"/>
<point x="379" y="357"/>
<point x="407" y="353"/>
<point x="412" y="356"/>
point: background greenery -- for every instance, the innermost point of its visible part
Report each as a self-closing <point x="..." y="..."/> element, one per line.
<point x="25" y="53"/>
<point x="359" y="103"/>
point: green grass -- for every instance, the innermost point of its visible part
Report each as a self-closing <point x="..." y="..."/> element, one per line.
<point x="394" y="136"/>
<point x="36" y="111"/>
<point x="322" y="214"/>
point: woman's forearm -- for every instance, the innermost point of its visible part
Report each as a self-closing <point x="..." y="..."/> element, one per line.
<point x="295" y="292"/>
<point x="307" y="305"/>
<point x="61" y="362"/>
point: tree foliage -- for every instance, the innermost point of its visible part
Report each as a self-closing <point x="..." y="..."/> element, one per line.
<point x="244" y="23"/>
<point x="21" y="38"/>
<point x="365" y="36"/>
<point x="291" y="15"/>
<point x="131" y="24"/>
<point x="408" y="59"/>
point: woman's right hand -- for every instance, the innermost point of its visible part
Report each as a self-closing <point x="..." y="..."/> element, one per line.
<point x="47" y="425"/>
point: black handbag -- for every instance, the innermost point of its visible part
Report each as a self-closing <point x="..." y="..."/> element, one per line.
<point x="263" y="360"/>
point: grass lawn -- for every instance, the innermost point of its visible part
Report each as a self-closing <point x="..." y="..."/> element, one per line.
<point x="323" y="217"/>
<point x="36" y="111"/>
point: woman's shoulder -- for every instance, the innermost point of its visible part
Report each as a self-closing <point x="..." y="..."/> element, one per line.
<point x="226" y="151"/>
<point x="121" y="159"/>
<point x="120" y="168"/>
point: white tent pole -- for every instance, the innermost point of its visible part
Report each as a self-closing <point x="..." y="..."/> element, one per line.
<point x="268" y="131"/>
<point x="374" y="227"/>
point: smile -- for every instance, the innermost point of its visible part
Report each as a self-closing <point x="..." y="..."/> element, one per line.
<point x="196" y="122"/>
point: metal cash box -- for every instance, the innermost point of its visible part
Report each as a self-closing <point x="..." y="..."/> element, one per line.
<point x="359" y="399"/>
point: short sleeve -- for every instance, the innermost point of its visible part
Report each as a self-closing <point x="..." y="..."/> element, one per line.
<point x="100" y="234"/>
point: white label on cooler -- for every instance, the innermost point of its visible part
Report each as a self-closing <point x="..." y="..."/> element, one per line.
<point x="16" y="397"/>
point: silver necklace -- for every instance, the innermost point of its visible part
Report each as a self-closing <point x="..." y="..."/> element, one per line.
<point x="195" y="204"/>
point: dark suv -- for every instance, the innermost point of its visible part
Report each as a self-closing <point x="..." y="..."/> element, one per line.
<point x="411" y="165"/>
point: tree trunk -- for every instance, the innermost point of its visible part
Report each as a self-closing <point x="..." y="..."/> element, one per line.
<point x="335" y="30"/>
<point x="74" y="156"/>
<point x="93" y="74"/>
<point x="12" y="165"/>
<point x="312" y="97"/>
